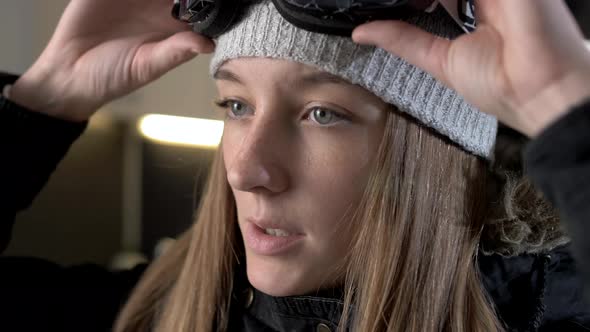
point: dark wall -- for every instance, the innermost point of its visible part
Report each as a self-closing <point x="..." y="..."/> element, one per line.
<point x="172" y="182"/>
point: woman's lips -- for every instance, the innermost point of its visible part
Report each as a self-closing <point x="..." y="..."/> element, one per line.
<point x="261" y="243"/>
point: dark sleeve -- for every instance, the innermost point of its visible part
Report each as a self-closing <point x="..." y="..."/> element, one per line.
<point x="37" y="295"/>
<point x="558" y="162"/>
<point x="31" y="145"/>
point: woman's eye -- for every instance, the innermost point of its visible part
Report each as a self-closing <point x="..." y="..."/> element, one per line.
<point x="235" y="108"/>
<point x="323" y="116"/>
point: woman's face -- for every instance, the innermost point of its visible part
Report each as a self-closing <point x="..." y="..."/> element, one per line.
<point x="298" y="145"/>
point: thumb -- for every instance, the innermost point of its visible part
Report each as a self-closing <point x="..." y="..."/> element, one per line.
<point x="416" y="46"/>
<point x="157" y="58"/>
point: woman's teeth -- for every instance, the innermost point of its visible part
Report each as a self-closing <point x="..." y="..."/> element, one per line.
<point x="275" y="232"/>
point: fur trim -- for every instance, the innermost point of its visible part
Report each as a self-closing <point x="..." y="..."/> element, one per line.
<point x="522" y="221"/>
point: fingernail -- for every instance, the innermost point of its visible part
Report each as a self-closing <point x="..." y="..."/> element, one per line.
<point x="207" y="48"/>
<point x="202" y="50"/>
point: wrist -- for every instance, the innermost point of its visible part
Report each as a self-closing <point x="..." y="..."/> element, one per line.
<point x="41" y="93"/>
<point x="554" y="102"/>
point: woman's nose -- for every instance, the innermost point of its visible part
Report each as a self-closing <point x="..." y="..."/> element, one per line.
<point x="260" y="161"/>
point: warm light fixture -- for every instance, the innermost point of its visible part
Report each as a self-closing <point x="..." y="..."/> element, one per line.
<point x="181" y="130"/>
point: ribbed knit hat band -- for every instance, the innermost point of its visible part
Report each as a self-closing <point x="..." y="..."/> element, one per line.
<point x="263" y="32"/>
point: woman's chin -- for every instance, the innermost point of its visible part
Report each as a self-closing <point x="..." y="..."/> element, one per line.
<point x="276" y="279"/>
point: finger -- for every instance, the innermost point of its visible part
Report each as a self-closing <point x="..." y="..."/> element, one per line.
<point x="416" y="46"/>
<point x="171" y="25"/>
<point x="490" y="12"/>
<point x="157" y="58"/>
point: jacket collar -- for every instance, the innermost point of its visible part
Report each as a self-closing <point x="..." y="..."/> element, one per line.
<point x="289" y="313"/>
<point x="510" y="281"/>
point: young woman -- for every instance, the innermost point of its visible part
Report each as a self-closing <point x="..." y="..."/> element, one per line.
<point x="351" y="190"/>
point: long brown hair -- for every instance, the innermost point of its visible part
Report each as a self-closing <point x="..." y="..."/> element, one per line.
<point x="412" y="266"/>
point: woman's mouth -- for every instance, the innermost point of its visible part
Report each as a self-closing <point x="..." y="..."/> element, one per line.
<point x="270" y="241"/>
<point x="276" y="232"/>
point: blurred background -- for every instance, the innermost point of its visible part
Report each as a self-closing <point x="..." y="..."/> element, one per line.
<point x="122" y="189"/>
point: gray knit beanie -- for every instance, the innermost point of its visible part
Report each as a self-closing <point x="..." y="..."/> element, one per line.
<point x="263" y="32"/>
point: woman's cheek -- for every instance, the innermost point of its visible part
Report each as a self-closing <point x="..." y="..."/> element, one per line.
<point x="229" y="142"/>
<point x="340" y="170"/>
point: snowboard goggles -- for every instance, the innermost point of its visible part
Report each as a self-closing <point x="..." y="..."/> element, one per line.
<point x="336" y="17"/>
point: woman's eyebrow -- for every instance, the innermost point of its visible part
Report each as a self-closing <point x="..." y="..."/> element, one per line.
<point x="226" y="75"/>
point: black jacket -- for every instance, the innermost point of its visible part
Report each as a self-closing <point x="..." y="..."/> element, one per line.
<point x="531" y="292"/>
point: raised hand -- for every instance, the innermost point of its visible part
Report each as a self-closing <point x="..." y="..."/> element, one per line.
<point x="526" y="63"/>
<point x="104" y="49"/>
